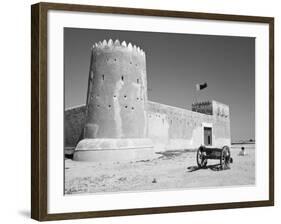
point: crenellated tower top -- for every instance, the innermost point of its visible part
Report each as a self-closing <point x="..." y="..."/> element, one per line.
<point x="111" y="45"/>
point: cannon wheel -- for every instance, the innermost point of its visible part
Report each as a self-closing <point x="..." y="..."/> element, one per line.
<point x="201" y="160"/>
<point x="225" y="158"/>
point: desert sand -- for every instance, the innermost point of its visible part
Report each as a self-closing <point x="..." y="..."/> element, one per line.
<point x="171" y="170"/>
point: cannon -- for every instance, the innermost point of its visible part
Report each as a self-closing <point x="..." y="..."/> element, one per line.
<point x="222" y="154"/>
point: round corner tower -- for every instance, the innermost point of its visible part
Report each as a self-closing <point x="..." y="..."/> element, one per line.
<point x="116" y="92"/>
<point x="116" y="100"/>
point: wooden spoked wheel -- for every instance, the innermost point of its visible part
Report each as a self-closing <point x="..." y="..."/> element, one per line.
<point x="225" y="158"/>
<point x="201" y="158"/>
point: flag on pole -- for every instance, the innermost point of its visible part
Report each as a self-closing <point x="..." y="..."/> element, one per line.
<point x="201" y="86"/>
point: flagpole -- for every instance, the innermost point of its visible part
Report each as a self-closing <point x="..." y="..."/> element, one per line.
<point x="195" y="97"/>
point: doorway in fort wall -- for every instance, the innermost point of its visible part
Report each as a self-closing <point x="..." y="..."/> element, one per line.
<point x="207" y="134"/>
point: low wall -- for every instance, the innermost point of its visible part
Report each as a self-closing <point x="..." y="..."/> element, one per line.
<point x="74" y="121"/>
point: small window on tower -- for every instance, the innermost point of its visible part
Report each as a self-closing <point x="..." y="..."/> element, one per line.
<point x="102" y="77"/>
<point x="122" y="78"/>
<point x="138" y="81"/>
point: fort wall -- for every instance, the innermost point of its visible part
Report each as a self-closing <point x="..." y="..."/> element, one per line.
<point x="169" y="127"/>
<point x="176" y="128"/>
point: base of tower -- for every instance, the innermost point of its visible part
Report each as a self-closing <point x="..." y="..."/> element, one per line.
<point x="114" y="150"/>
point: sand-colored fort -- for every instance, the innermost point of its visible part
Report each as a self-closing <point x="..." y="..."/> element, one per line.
<point x="118" y="122"/>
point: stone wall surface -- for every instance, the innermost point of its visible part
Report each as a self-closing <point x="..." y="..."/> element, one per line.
<point x="74" y="121"/>
<point x="177" y="128"/>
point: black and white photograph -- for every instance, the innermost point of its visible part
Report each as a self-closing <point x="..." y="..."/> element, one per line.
<point x="141" y="111"/>
<point x="152" y="111"/>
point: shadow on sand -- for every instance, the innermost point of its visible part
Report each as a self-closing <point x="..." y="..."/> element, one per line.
<point x="215" y="167"/>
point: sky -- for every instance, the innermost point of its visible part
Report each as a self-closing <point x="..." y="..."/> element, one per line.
<point x="175" y="63"/>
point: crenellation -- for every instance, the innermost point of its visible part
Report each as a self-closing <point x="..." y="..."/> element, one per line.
<point x="111" y="45"/>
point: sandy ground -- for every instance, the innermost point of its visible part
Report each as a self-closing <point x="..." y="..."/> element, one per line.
<point x="169" y="171"/>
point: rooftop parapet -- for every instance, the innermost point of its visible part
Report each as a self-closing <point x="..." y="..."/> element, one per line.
<point x="203" y="107"/>
<point x="211" y="108"/>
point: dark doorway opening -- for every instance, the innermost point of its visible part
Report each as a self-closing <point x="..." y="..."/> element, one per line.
<point x="207" y="136"/>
